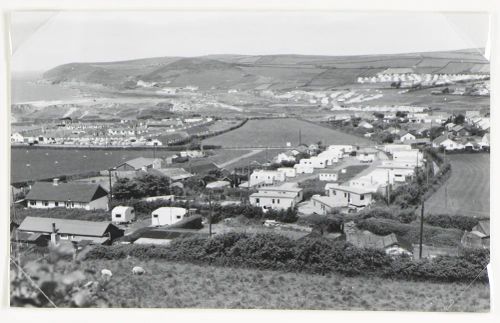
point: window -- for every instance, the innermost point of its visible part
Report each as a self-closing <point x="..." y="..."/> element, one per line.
<point x="278" y="201"/>
<point x="272" y="201"/>
<point x="178" y="217"/>
<point x="64" y="236"/>
<point x="45" y="203"/>
<point x="118" y="215"/>
<point x="362" y="197"/>
<point x="155" y="215"/>
<point x="257" y="200"/>
<point x="32" y="202"/>
<point x="56" y="203"/>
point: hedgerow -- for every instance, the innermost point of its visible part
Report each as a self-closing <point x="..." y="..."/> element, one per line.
<point x="312" y="255"/>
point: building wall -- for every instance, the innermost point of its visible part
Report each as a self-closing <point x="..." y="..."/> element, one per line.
<point x="288" y="171"/>
<point x="99" y="204"/>
<point x="167" y="216"/>
<point x="348" y="198"/>
<point x="304" y="169"/>
<point x="267" y="177"/>
<point x="328" y="176"/>
<point x="280" y="203"/>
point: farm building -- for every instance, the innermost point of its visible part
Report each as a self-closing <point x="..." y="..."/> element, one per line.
<point x="167" y="215"/>
<point x="122" y="214"/>
<point x="139" y="163"/>
<point x="69" y="195"/>
<point x="284" y="196"/>
<point x="348" y="196"/>
<point x="329" y="175"/>
<point x="73" y="230"/>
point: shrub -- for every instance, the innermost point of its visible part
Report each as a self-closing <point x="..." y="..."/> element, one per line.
<point x="464" y="223"/>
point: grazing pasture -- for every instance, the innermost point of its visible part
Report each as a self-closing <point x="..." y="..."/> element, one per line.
<point x="279" y="132"/>
<point x="467" y="191"/>
<point x="177" y="285"/>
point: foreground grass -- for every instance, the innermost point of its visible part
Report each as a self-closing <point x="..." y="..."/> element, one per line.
<point x="176" y="285"/>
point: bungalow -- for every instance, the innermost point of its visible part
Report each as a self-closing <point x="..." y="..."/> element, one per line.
<point x="314" y="162"/>
<point x="348" y="196"/>
<point x="267" y="177"/>
<point x="390" y="148"/>
<point x="324" y="204"/>
<point x="303" y="168"/>
<point x="346" y="149"/>
<point x="285" y="196"/>
<point x="446" y="143"/>
<point x="366" y="155"/>
<point x="287" y="156"/>
<point x="69" y="195"/>
<point x="413" y="155"/>
<point x="405" y="135"/>
<point x="331" y="156"/>
<point x="72" y="230"/>
<point x="460" y="131"/>
<point x="288" y="171"/>
<point x="328" y="175"/>
<point x="139" y="163"/>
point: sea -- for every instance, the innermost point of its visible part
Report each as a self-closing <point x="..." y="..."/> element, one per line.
<point x="26" y="87"/>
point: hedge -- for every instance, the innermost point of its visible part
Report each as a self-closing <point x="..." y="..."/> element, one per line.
<point x="312" y="255"/>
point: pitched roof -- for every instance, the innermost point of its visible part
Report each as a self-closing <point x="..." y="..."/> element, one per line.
<point x="350" y="189"/>
<point x="139" y="162"/>
<point x="441" y="139"/>
<point x="485" y="227"/>
<point x="76" y="192"/>
<point x="172" y="173"/>
<point x="64" y="226"/>
<point x="366" y="239"/>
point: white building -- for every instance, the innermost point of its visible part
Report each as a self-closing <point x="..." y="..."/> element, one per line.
<point x="348" y="196"/>
<point x="16" y="137"/>
<point x="405" y="136"/>
<point x="413" y="155"/>
<point x="284" y="157"/>
<point x="390" y="148"/>
<point x="303" y="169"/>
<point x="122" y="214"/>
<point x="167" y="215"/>
<point x="43" y="195"/>
<point x="267" y="177"/>
<point x="366" y="155"/>
<point x="314" y="162"/>
<point x="281" y="197"/>
<point x="289" y="171"/>
<point x="328" y="175"/>
<point x="331" y="156"/>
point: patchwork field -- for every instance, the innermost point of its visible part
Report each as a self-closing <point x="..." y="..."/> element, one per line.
<point x="467" y="191"/>
<point x="279" y="132"/>
<point x="174" y="285"/>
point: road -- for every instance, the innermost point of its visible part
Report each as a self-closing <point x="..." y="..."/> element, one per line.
<point x="237" y="159"/>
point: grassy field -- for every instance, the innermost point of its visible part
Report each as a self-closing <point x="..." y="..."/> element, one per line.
<point x="467" y="191"/>
<point x="176" y="285"/>
<point x="278" y="132"/>
<point x="35" y="164"/>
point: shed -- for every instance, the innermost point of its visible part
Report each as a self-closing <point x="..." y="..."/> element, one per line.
<point x="122" y="214"/>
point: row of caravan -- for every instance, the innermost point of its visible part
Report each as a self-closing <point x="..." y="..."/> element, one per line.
<point x="161" y="216"/>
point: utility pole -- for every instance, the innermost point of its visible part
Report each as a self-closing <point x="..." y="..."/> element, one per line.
<point x="110" y="186"/>
<point x="421" y="230"/>
<point x="211" y="214"/>
<point x="388" y="189"/>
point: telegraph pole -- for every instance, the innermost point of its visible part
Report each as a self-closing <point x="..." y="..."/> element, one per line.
<point x="211" y="214"/>
<point x="421" y="230"/>
<point x="110" y="187"/>
<point x="388" y="189"/>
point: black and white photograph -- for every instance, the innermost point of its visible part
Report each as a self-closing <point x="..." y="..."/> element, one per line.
<point x="285" y="160"/>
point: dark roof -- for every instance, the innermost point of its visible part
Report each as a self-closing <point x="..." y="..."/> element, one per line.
<point x="76" y="192"/>
<point x="172" y="173"/>
<point x="139" y="162"/>
<point x="64" y="226"/>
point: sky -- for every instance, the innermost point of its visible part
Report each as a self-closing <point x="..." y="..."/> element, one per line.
<point x="42" y="40"/>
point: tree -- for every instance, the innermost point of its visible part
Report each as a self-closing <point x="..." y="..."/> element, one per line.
<point x="460" y="119"/>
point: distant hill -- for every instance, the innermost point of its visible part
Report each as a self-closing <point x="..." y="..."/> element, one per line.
<point x="261" y="71"/>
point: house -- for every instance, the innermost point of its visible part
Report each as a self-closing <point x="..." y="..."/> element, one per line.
<point x="44" y="195"/>
<point x="330" y="156"/>
<point x="347" y="196"/>
<point x="287" y="156"/>
<point x="288" y="171"/>
<point x="122" y="214"/>
<point x="303" y="168"/>
<point x="324" y="204"/>
<point x="389" y="243"/>
<point x="446" y="143"/>
<point x="218" y="185"/>
<point x="366" y="155"/>
<point x="345" y="149"/>
<point x="485" y="141"/>
<point x="314" y="162"/>
<point x="140" y="163"/>
<point x="374" y="182"/>
<point x="282" y="197"/>
<point x="71" y="230"/>
<point x="201" y="167"/>
<point x="405" y="135"/>
<point x="266" y="177"/>
<point x="460" y="131"/>
<point x="328" y="175"/>
<point x="167" y="215"/>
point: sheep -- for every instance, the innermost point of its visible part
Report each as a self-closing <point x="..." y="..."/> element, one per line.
<point x="106" y="273"/>
<point x="138" y="270"/>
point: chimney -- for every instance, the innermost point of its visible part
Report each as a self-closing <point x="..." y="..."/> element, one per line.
<point x="55" y="181"/>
